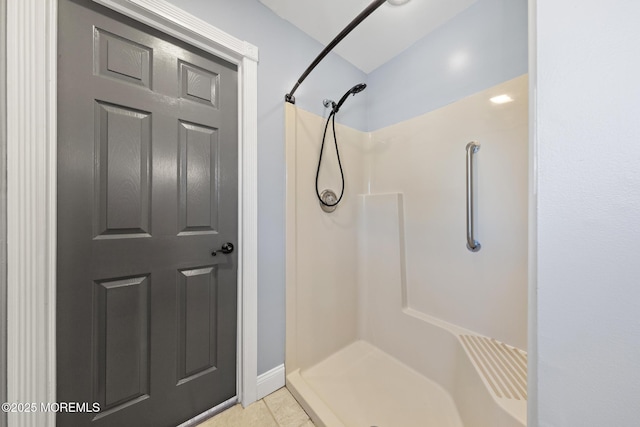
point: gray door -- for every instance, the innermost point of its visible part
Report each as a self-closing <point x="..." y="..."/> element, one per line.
<point x="147" y="189"/>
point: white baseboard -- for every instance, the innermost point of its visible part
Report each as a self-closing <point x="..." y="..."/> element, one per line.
<point x="270" y="381"/>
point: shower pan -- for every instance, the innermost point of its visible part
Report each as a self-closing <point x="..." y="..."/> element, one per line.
<point x="391" y="319"/>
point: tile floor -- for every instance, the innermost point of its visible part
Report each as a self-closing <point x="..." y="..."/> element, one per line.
<point x="279" y="409"/>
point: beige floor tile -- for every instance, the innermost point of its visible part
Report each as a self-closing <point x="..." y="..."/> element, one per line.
<point x="285" y="409"/>
<point x="308" y="424"/>
<point x="255" y="415"/>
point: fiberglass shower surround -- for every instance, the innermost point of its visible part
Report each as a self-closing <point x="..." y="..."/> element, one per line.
<point x="383" y="297"/>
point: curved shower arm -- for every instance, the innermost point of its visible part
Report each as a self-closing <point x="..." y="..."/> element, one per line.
<point x="472" y="244"/>
<point x="353" y="24"/>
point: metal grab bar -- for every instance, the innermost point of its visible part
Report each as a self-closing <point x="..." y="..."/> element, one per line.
<point x="472" y="244"/>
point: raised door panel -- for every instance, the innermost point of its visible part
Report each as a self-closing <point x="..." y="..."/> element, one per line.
<point x="199" y="85"/>
<point x="122" y="59"/>
<point x="198" y="178"/>
<point x="121" y="340"/>
<point x="122" y="176"/>
<point x="197" y="322"/>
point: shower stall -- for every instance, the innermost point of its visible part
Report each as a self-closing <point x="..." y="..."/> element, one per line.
<point x="397" y="315"/>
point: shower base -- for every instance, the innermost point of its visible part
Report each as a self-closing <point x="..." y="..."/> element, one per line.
<point x="366" y="387"/>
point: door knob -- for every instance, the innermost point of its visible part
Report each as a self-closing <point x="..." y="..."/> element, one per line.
<point x="226" y="248"/>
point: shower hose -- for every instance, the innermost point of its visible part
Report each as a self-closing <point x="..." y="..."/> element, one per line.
<point x="332" y="119"/>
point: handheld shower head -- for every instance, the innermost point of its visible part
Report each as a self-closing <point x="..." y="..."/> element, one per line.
<point x="356" y="89"/>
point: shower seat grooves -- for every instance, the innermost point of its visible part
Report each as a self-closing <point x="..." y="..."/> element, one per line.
<point x="504" y="368"/>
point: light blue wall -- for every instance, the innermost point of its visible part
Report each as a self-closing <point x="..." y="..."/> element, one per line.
<point x="481" y="47"/>
<point x="285" y="52"/>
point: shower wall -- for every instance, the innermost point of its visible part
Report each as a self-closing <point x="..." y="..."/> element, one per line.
<point x="321" y="248"/>
<point x="424" y="159"/>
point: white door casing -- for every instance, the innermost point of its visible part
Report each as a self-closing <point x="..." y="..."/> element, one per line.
<point x="31" y="191"/>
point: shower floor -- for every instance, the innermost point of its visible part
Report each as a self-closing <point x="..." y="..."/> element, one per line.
<point x="366" y="387"/>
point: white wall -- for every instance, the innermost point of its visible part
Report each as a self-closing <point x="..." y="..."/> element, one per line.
<point x="285" y="52"/>
<point x="588" y="212"/>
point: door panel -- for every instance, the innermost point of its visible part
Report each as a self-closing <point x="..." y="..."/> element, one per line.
<point x="198" y="178"/>
<point x="147" y="189"/>
<point x="199" y="85"/>
<point x="123" y="184"/>
<point x="123" y="59"/>
<point x="197" y="322"/>
<point x="121" y="346"/>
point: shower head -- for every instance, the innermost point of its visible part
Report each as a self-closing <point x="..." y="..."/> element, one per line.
<point x="356" y="89"/>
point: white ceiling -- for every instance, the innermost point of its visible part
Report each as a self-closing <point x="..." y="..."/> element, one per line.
<point x="383" y="35"/>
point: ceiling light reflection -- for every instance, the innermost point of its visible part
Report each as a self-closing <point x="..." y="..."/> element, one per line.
<point x="501" y="99"/>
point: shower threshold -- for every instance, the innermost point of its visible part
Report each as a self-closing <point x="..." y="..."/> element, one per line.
<point x="365" y="386"/>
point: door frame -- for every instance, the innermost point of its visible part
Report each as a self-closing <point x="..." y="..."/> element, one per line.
<point x="32" y="27"/>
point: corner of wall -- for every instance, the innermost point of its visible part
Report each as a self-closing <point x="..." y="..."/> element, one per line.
<point x="291" y="359"/>
<point x="532" y="368"/>
<point x="270" y="381"/>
